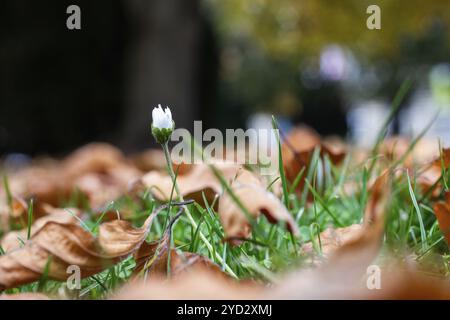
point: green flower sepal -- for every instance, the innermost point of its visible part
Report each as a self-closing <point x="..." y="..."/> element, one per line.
<point x="162" y="135"/>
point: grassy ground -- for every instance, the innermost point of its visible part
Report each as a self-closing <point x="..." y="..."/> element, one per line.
<point x="411" y="227"/>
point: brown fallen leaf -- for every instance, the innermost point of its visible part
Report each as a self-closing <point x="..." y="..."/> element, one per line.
<point x="428" y="179"/>
<point x="331" y="239"/>
<point x="342" y="276"/>
<point x="335" y="147"/>
<point x="4" y="218"/>
<point x="92" y="158"/>
<point x="24" y="296"/>
<point x="199" y="179"/>
<point x="368" y="234"/>
<point x="154" y="160"/>
<point x="197" y="284"/>
<point x="398" y="280"/>
<point x="248" y="187"/>
<point x="396" y="148"/>
<point x="256" y="200"/>
<point x="101" y="189"/>
<point x="13" y="239"/>
<point x="152" y="257"/>
<point x="405" y="281"/>
<point x="60" y="245"/>
<point x="100" y="171"/>
<point x="149" y="160"/>
<point x="345" y="273"/>
<point x="442" y="212"/>
<point x="152" y="265"/>
<point x="298" y="147"/>
<point x="44" y="183"/>
<point x="12" y="212"/>
<point x="152" y="260"/>
<point x="296" y="150"/>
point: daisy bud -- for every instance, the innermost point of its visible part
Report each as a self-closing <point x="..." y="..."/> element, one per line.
<point x="162" y="125"/>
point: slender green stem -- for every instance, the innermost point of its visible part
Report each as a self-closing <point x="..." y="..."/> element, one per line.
<point x="30" y="219"/>
<point x="169" y="166"/>
<point x="188" y="213"/>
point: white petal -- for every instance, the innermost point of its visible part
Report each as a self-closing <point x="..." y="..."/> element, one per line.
<point x="158" y="116"/>
<point x="154" y="114"/>
<point x="162" y="118"/>
<point x="168" y="113"/>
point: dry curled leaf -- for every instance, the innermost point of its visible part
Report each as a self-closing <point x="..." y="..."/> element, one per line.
<point x="256" y="200"/>
<point x="369" y="234"/>
<point x="152" y="257"/>
<point x="14" y="239"/>
<point x="24" y="296"/>
<point x="430" y="175"/>
<point x="334" y="238"/>
<point x="44" y="183"/>
<point x="189" y="274"/>
<point x="99" y="171"/>
<point x="197" y="284"/>
<point x="298" y="147"/>
<point x="343" y="276"/>
<point x="11" y="212"/>
<point x="149" y="160"/>
<point x="61" y="244"/>
<point x="199" y="179"/>
<point x="248" y="187"/>
<point x="92" y="158"/>
<point x="349" y="280"/>
<point x="321" y="283"/>
<point x="101" y="189"/>
<point x="398" y="148"/>
<point x="442" y="211"/>
<point x="154" y="160"/>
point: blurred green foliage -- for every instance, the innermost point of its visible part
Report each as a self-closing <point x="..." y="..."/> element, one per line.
<point x="269" y="46"/>
<point x="293" y="29"/>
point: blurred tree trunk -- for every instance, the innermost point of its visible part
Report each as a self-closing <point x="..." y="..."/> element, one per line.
<point x="162" y="66"/>
<point x="60" y="88"/>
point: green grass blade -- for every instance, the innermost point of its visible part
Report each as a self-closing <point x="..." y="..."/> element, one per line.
<point x="280" y="164"/>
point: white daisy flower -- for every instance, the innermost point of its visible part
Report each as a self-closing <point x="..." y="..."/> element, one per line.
<point x="162" y="125"/>
<point x="162" y="119"/>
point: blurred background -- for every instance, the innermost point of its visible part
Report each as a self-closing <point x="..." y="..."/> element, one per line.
<point x="229" y="63"/>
